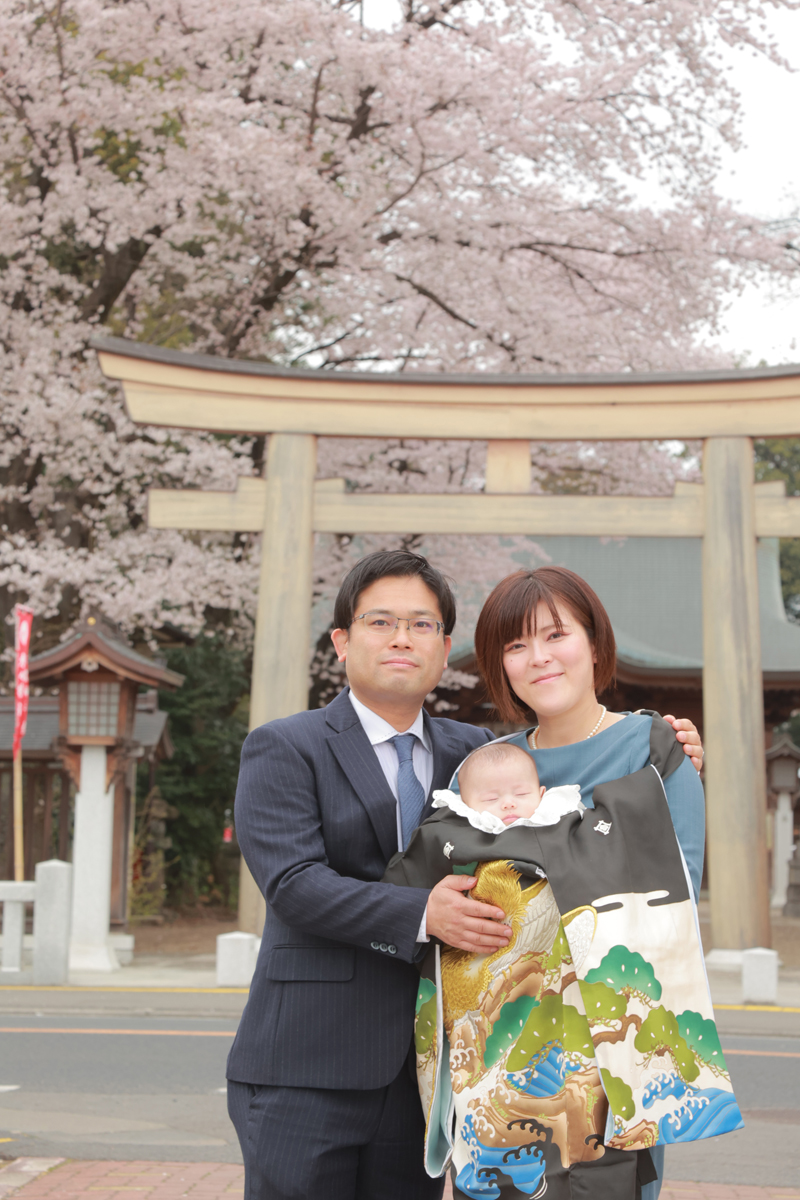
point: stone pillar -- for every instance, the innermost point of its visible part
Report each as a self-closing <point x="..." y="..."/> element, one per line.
<point x="733" y="702"/>
<point x="92" y="849"/>
<point x="52" y="920"/>
<point x="13" y="934"/>
<point x="792" y="906"/>
<point x="236" y="959"/>
<point x="759" y="976"/>
<point x="283" y="619"/>
<point x="782" y="848"/>
<point x="14" y="896"/>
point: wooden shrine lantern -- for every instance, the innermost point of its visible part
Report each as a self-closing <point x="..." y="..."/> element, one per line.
<point x="98" y="677"/>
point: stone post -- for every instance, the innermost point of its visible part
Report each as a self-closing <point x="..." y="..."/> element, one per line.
<point x="782" y="848"/>
<point x="52" y="920"/>
<point x="92" y="848"/>
<point x="236" y="959"/>
<point x="283" y="618"/>
<point x="792" y="906"/>
<point x="759" y="976"/>
<point x="733" y="704"/>
<point x="14" y="897"/>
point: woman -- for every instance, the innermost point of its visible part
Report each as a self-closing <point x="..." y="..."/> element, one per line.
<point x="545" y="645"/>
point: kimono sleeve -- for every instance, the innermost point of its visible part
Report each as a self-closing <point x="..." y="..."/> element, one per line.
<point x="422" y="864"/>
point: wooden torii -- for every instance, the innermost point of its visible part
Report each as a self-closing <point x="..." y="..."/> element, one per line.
<point x="726" y="409"/>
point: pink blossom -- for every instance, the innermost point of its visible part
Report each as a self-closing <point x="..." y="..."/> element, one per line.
<point x="273" y="181"/>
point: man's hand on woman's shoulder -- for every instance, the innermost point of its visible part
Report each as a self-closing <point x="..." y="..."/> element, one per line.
<point x="687" y="733"/>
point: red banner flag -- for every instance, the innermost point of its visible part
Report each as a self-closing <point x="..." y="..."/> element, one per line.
<point x="22" y="642"/>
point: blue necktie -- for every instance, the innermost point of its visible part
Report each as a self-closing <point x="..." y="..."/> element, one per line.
<point x="410" y="791"/>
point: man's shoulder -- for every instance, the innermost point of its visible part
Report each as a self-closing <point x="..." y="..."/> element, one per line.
<point x="301" y="726"/>
<point x="315" y="723"/>
<point x="466" y="735"/>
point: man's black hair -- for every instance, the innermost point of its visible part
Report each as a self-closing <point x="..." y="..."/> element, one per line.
<point x="382" y="564"/>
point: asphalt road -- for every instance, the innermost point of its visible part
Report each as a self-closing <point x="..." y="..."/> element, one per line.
<point x="81" y="1090"/>
<point x="766" y="1079"/>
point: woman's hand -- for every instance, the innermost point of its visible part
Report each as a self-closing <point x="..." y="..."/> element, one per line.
<point x="466" y="924"/>
<point x="687" y="733"/>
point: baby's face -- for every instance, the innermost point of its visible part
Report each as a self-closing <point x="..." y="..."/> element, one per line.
<point x="510" y="789"/>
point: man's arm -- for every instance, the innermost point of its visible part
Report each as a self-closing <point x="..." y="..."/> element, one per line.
<point x="279" y="829"/>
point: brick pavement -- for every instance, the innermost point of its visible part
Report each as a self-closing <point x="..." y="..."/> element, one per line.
<point x="725" y="1191"/>
<point x="87" y="1180"/>
<point x="76" y="1179"/>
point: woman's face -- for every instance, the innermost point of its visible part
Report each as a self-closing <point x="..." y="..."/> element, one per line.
<point x="551" y="670"/>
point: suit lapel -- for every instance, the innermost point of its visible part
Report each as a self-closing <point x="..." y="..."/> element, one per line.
<point x="447" y="754"/>
<point x="352" y="750"/>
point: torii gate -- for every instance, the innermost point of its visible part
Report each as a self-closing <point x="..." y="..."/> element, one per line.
<point x="728" y="511"/>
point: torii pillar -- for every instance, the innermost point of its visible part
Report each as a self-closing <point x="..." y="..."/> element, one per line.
<point x="283" y="618"/>
<point x="733" y="700"/>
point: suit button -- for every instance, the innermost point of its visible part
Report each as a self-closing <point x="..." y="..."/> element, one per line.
<point x="384" y="947"/>
<point x="375" y="945"/>
<point x="392" y="949"/>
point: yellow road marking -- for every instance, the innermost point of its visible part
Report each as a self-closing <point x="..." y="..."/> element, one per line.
<point x="29" y="987"/>
<point x="201" y="991"/>
<point x="140" y="1032"/>
<point x="755" y="1008"/>
<point x="765" y="1053"/>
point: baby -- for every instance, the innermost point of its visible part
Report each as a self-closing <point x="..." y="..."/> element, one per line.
<point x="471" y="1009"/>
<point x="500" y="781"/>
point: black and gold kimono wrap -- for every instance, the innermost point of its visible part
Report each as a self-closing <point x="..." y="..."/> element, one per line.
<point x="551" y="1066"/>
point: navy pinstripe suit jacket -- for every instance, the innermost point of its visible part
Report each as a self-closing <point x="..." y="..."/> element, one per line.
<point x="332" y="1000"/>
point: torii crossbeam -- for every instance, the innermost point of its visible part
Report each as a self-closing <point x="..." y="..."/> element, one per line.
<point x="728" y="511"/>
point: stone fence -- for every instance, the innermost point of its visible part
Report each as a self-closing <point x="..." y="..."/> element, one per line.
<point x="51" y="895"/>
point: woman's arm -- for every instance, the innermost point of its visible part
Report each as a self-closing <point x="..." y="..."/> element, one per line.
<point x="688" y="811"/>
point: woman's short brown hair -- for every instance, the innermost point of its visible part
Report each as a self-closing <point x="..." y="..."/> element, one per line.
<point x="510" y="612"/>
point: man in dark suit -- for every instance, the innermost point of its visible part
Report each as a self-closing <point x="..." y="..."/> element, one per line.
<point x="321" y="1090"/>
<point x="321" y="1084"/>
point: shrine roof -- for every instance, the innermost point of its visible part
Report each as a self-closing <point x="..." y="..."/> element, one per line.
<point x="94" y="639"/>
<point x="652" y="590"/>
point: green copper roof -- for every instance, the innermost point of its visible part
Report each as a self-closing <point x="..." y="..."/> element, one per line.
<point x="651" y="588"/>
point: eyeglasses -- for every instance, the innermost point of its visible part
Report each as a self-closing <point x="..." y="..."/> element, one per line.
<point x="387" y="623"/>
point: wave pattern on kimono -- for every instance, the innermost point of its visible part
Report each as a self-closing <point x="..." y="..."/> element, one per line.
<point x="544" y="1065"/>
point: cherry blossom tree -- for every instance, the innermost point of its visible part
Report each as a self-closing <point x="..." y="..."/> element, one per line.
<point x="276" y="181"/>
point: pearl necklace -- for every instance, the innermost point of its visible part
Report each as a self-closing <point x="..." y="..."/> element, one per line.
<point x="594" y="731"/>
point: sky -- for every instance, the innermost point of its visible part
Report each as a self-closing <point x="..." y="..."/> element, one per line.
<point x="763" y="178"/>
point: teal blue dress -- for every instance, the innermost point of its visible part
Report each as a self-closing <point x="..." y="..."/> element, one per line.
<point x="620" y="750"/>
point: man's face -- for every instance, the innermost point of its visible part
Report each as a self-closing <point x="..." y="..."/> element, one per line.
<point x="398" y="666"/>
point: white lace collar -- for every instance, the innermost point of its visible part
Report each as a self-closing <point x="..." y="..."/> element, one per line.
<point x="556" y="802"/>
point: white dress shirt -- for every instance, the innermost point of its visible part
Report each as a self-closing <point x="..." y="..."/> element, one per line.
<point x="380" y="733"/>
